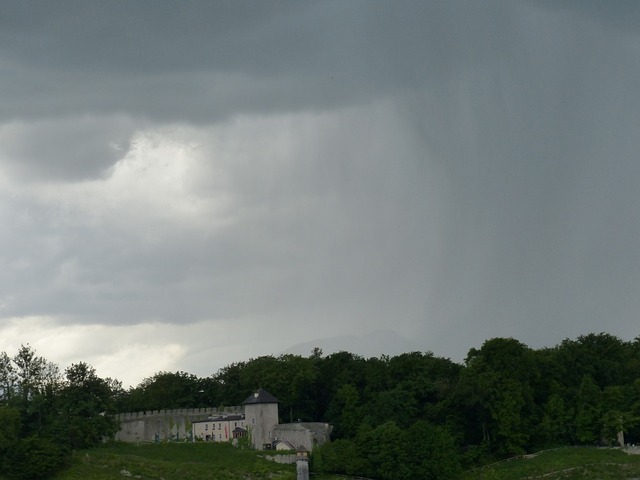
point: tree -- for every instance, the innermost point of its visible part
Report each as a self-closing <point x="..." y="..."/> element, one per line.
<point x="9" y="433"/>
<point x="382" y="452"/>
<point x="431" y="452"/>
<point x="377" y="376"/>
<point x="85" y="404"/>
<point x="633" y="421"/>
<point x="167" y="390"/>
<point x="495" y="389"/>
<point x="387" y="452"/>
<point x="397" y="405"/>
<point x="299" y="376"/>
<point x="508" y="412"/>
<point x="617" y="414"/>
<point x="338" y="456"/>
<point x="602" y="356"/>
<point x="28" y="384"/>
<point x="7" y="378"/>
<point x="316" y="353"/>
<point x="335" y="370"/>
<point x="34" y="458"/>
<point x="589" y="411"/>
<point x="35" y="385"/>
<point x="555" y="425"/>
<point x="612" y="424"/>
<point x="29" y="371"/>
<point x="345" y="412"/>
<point x="232" y="391"/>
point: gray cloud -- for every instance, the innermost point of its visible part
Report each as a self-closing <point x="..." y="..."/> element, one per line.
<point x="302" y="170"/>
<point x="203" y="61"/>
<point x="64" y="148"/>
<point x="623" y="14"/>
<point x="313" y="231"/>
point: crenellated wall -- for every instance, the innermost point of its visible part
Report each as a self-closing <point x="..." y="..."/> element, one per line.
<point x="164" y="425"/>
<point x="262" y="420"/>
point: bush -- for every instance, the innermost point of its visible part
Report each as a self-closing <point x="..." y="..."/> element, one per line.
<point x="33" y="458"/>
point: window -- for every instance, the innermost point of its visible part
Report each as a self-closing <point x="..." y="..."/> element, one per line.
<point x="219" y="426"/>
<point x="206" y="426"/>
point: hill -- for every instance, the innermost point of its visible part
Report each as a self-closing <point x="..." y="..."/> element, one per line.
<point x="199" y="461"/>
<point x="566" y="464"/>
<point x="173" y="461"/>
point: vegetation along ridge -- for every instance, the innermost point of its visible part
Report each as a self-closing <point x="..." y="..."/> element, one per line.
<point x="414" y="415"/>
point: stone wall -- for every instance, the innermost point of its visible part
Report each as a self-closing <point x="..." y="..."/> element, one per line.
<point x="164" y="425"/>
<point x="175" y="425"/>
<point x="260" y="420"/>
<point x="305" y="434"/>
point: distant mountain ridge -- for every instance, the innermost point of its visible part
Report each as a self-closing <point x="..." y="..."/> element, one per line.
<point x="373" y="344"/>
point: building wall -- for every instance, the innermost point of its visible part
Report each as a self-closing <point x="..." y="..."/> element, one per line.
<point x="164" y="425"/>
<point x="216" y="429"/>
<point x="307" y="434"/>
<point x="260" y="420"/>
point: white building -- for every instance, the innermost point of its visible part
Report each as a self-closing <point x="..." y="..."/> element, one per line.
<point x="219" y="429"/>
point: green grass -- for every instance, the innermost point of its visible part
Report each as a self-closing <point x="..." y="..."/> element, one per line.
<point x="174" y="461"/>
<point x="199" y="461"/>
<point x="566" y="464"/>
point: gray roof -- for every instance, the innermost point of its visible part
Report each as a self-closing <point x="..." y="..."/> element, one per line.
<point x="286" y="444"/>
<point x="226" y="418"/>
<point x="260" y="396"/>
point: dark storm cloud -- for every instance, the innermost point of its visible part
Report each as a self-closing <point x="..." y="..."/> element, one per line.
<point x="206" y="60"/>
<point x="455" y="170"/>
<point x="202" y="62"/>
<point x="541" y="151"/>
<point x="621" y="14"/>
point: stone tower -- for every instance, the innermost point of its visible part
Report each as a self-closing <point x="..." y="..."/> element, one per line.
<point x="261" y="417"/>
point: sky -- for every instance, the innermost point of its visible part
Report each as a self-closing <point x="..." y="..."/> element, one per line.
<point x="184" y="185"/>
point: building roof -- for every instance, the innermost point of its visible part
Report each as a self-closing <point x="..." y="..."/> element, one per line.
<point x="284" y="445"/>
<point x="226" y="418"/>
<point x="260" y="396"/>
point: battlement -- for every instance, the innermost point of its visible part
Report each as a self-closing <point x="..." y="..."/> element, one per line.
<point x="165" y="425"/>
<point x="177" y="425"/>
<point x="196" y="412"/>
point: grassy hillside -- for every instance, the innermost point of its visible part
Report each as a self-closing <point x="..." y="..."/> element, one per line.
<point x="188" y="461"/>
<point x="566" y="464"/>
<point x="221" y="461"/>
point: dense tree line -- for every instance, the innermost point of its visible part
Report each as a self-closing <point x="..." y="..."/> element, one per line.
<point x="46" y="413"/>
<point x="414" y="415"/>
<point x="391" y="414"/>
